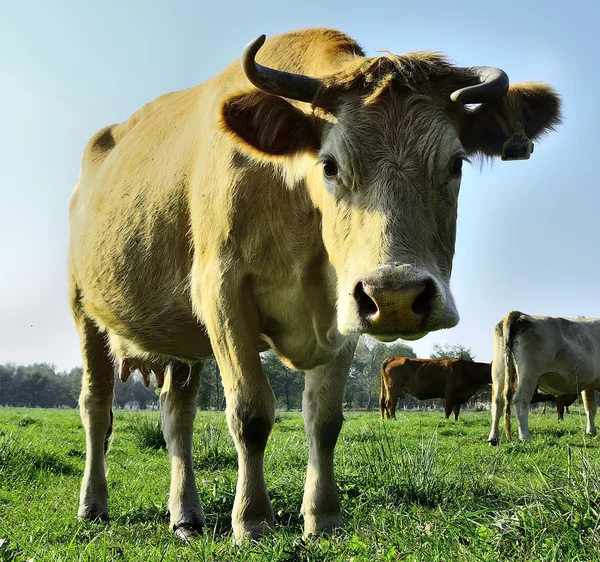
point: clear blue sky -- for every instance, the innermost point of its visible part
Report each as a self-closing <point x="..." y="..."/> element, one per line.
<point x="528" y="232"/>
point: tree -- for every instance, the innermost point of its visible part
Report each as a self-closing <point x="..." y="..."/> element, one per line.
<point x="75" y="375"/>
<point x="286" y="383"/>
<point x="211" y="393"/>
<point x="364" y="380"/>
<point x="448" y="351"/>
<point x="6" y="385"/>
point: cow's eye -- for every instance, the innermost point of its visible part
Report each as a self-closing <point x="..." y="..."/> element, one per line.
<point x="330" y="168"/>
<point x="457" y="165"/>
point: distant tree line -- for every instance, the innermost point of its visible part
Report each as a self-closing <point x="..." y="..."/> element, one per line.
<point x="41" y="385"/>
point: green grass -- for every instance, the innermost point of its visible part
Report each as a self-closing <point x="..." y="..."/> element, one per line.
<point x="147" y="431"/>
<point x="420" y="488"/>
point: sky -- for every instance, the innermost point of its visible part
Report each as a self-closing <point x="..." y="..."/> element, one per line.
<point x="528" y="231"/>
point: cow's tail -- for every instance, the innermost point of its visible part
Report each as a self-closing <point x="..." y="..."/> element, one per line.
<point x="509" y="369"/>
<point x="382" y="394"/>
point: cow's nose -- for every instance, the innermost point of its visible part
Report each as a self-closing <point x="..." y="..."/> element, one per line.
<point x="394" y="307"/>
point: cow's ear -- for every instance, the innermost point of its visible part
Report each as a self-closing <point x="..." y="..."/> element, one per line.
<point x="485" y="129"/>
<point x="269" y="125"/>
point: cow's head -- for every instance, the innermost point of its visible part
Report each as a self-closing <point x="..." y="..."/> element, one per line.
<point x="389" y="136"/>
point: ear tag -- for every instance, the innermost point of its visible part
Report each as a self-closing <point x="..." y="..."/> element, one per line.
<point x="517" y="147"/>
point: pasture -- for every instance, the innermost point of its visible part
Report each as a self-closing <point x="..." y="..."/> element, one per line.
<point x="420" y="488"/>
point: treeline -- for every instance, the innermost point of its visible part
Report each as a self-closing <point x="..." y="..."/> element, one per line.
<point x="41" y="385"/>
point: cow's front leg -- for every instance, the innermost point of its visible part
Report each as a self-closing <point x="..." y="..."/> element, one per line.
<point x="178" y="409"/>
<point x="322" y="411"/>
<point x="233" y="326"/>
<point x="456" y="410"/>
<point x="589" y="403"/>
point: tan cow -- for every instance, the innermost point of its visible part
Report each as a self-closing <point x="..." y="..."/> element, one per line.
<point x="455" y="380"/>
<point x="128" y="366"/>
<point x="558" y="355"/>
<point x="292" y="208"/>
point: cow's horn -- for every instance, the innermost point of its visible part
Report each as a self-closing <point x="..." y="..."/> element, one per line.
<point x="493" y="85"/>
<point x="285" y="84"/>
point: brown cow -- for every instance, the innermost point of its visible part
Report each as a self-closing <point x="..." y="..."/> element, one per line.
<point x="456" y="380"/>
<point x="291" y="204"/>
<point x="563" y="401"/>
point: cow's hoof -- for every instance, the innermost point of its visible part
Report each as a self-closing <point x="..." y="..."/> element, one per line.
<point x="313" y="526"/>
<point x="188" y="530"/>
<point x="251" y="530"/>
<point x="93" y="512"/>
<point x="493" y="442"/>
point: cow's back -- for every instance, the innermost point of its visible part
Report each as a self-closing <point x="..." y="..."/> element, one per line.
<point x="422" y="378"/>
<point x="564" y="352"/>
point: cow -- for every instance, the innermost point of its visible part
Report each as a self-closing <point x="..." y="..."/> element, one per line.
<point x="455" y="380"/>
<point x="291" y="203"/>
<point x="557" y="355"/>
<point x="562" y="402"/>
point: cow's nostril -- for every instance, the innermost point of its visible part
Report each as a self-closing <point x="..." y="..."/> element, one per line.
<point x="366" y="305"/>
<point x="421" y="306"/>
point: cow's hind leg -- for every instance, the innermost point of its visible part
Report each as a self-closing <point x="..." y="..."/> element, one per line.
<point x="526" y="387"/>
<point x="322" y="411"/>
<point x="448" y="409"/>
<point x="95" y="401"/>
<point x="589" y="403"/>
<point x="560" y="408"/>
<point x="392" y="405"/>
<point x="178" y="409"/>
<point x="456" y="410"/>
<point x="497" y="406"/>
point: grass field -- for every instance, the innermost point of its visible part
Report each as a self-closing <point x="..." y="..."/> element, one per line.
<point x="420" y="488"/>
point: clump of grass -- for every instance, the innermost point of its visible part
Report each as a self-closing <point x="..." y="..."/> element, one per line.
<point x="26" y="422"/>
<point x="213" y="450"/>
<point x="419" y="474"/>
<point x="148" y="432"/>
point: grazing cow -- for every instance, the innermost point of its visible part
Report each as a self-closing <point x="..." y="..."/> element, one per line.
<point x="558" y="355"/>
<point x="455" y="380"/>
<point x="563" y="401"/>
<point x="291" y="204"/>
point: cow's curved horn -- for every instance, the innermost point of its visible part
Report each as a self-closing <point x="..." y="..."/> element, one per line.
<point x="285" y="84"/>
<point x="493" y="85"/>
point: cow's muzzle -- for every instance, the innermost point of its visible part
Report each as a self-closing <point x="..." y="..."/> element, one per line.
<point x="392" y="307"/>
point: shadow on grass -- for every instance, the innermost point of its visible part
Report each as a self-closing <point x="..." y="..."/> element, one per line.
<point x="19" y="462"/>
<point x="143" y="513"/>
